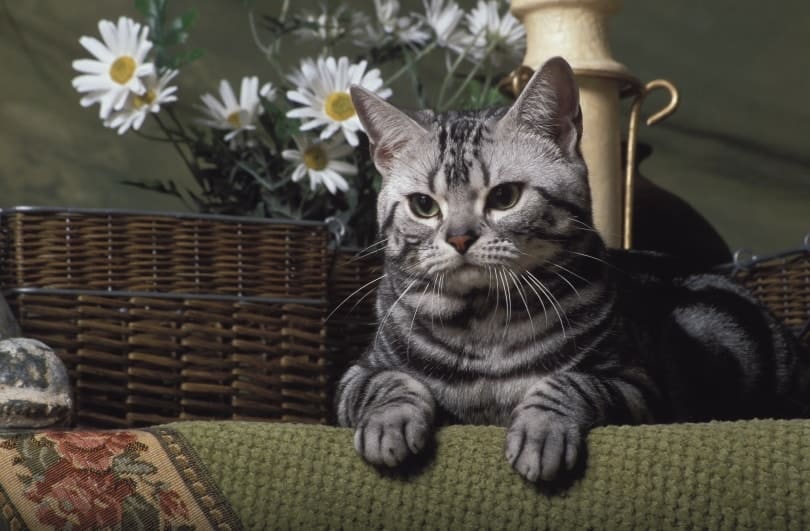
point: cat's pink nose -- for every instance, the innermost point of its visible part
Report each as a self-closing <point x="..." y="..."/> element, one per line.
<point x="461" y="242"/>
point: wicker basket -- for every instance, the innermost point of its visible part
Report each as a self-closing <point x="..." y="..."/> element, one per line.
<point x="351" y="322"/>
<point x="160" y="317"/>
<point x="782" y="283"/>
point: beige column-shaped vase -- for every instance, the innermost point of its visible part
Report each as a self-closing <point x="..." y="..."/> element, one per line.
<point x="577" y="31"/>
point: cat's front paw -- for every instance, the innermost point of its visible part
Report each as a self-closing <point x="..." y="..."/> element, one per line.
<point x="541" y="445"/>
<point x="387" y="436"/>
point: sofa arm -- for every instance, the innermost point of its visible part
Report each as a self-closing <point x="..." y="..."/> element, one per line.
<point x="750" y="474"/>
<point x="230" y="475"/>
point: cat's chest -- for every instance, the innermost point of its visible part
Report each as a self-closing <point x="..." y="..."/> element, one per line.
<point x="481" y="401"/>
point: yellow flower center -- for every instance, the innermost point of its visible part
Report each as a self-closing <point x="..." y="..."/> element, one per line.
<point x="338" y="106"/>
<point x="144" y="99"/>
<point x="122" y="69"/>
<point x="315" y="158"/>
<point x="235" y="119"/>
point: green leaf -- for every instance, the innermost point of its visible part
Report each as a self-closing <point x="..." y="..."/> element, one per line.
<point x="186" y="20"/>
<point x="143" y="7"/>
<point x="168" y="188"/>
<point x="139" y="514"/>
<point x="37" y="457"/>
<point x="127" y="464"/>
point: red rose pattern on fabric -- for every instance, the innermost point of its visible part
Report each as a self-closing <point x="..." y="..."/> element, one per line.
<point x="70" y="497"/>
<point x="93" y="480"/>
<point x="91" y="450"/>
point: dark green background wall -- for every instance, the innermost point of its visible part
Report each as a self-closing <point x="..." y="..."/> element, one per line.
<point x="737" y="149"/>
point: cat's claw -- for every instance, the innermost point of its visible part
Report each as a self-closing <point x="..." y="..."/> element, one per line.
<point x="388" y="436"/>
<point x="541" y="446"/>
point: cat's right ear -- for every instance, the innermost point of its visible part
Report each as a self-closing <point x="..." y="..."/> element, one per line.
<point x="388" y="128"/>
<point x="549" y="106"/>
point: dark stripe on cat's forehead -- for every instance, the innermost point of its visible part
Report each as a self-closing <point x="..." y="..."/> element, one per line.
<point x="456" y="156"/>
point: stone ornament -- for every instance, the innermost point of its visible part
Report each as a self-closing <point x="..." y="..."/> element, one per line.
<point x="34" y="385"/>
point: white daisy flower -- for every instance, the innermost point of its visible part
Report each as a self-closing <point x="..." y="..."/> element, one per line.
<point x="138" y="106"/>
<point x="323" y="90"/>
<point x="319" y="160"/>
<point x="232" y="115"/>
<point x="118" y="67"/>
<point x="390" y="26"/>
<point x="501" y="39"/>
<point x="328" y="27"/>
<point x="443" y="20"/>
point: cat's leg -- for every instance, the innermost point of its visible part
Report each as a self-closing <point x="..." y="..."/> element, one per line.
<point x="392" y="413"/>
<point x="549" y="425"/>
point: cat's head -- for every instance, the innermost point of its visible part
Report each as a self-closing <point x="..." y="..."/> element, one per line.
<point x="466" y="191"/>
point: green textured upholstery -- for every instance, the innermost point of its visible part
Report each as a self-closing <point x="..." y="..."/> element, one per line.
<point x="742" y="475"/>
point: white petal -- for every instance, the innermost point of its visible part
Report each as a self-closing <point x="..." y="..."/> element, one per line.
<point x="291" y="154"/>
<point x="107" y="102"/>
<point x="299" y="173"/>
<point x="120" y="99"/>
<point x="327" y="181"/>
<point x="351" y="137"/>
<point x="303" y="112"/>
<point x="245" y="97"/>
<point x="226" y="92"/>
<point x="145" y="69"/>
<point x="110" y="36"/>
<point x="300" y="97"/>
<point x="330" y="130"/>
<point x="268" y="92"/>
<point x="312" y="124"/>
<point x="213" y="104"/>
<point x="343" y="167"/>
<point x="90" y="66"/>
<point x="314" y="179"/>
<point x="91" y="98"/>
<point x="144" y="45"/>
<point x="336" y="179"/>
<point x="88" y="83"/>
<point x="232" y="134"/>
<point x="94" y="46"/>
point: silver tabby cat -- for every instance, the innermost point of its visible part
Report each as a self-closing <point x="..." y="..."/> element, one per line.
<point x="500" y="304"/>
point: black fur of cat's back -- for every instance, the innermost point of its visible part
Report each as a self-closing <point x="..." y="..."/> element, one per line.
<point x="702" y="379"/>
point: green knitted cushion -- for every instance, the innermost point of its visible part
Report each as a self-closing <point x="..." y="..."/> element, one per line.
<point x="749" y="475"/>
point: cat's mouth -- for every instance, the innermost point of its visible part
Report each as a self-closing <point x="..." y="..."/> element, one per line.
<point x="465" y="277"/>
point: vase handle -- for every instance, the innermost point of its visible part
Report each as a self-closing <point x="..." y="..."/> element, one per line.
<point x="632" y="137"/>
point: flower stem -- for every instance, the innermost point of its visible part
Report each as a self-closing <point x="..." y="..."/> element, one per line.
<point x="151" y="137"/>
<point x="191" y="166"/>
<point x="410" y="64"/>
<point x="467" y="79"/>
<point x="482" y="96"/>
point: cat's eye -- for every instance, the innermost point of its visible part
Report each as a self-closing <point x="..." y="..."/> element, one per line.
<point x="423" y="205"/>
<point x="504" y="196"/>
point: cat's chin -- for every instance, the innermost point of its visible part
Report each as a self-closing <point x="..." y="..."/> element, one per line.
<point x="466" y="277"/>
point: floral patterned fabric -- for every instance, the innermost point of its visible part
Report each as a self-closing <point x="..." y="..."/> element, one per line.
<point x="135" y="479"/>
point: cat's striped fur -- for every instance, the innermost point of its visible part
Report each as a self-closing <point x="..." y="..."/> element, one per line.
<point x="527" y="321"/>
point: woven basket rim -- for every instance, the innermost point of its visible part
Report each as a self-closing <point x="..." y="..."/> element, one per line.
<point x="26" y="209"/>
<point x="165" y="295"/>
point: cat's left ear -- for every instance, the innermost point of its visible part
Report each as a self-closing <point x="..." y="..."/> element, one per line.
<point x="549" y="106"/>
<point x="389" y="129"/>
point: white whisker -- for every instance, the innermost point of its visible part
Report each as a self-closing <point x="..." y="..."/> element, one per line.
<point x="523" y="298"/>
<point x="390" y="310"/>
<point x="353" y="294"/>
<point x="415" y="311"/>
<point x="551" y="299"/>
<point x="539" y="298"/>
